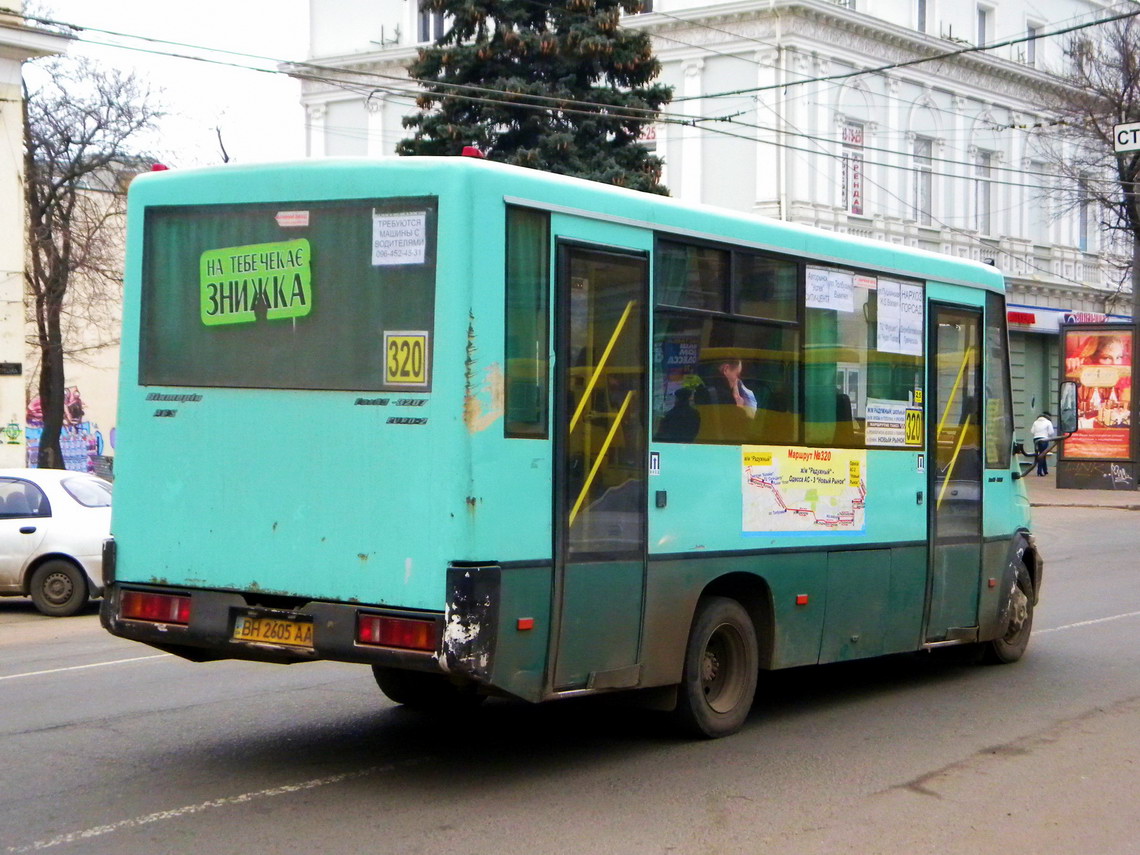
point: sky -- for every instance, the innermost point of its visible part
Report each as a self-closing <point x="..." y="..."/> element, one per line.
<point x="259" y="114"/>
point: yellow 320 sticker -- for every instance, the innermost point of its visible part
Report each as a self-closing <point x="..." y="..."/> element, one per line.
<point x="405" y="358"/>
<point x="913" y="426"/>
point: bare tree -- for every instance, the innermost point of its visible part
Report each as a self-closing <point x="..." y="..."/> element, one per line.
<point x="1102" y="90"/>
<point x="80" y="128"/>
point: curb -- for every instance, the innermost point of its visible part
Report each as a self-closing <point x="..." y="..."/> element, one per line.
<point x="1081" y="505"/>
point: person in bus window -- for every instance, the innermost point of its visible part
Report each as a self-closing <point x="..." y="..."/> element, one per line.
<point x="682" y="422"/>
<point x="730" y="389"/>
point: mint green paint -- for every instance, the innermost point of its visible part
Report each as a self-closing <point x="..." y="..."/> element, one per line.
<point x="955" y="588"/>
<point x="858" y="590"/>
<point x="520" y="655"/>
<point x="601" y="621"/>
<point x="305" y="493"/>
<point x="704" y="486"/>
<point x="902" y="628"/>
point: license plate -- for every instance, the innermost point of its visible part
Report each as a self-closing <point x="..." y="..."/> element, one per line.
<point x="294" y="633"/>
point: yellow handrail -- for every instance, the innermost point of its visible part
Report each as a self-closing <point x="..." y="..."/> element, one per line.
<point x="601" y="456"/>
<point x="601" y="364"/>
<point x="965" y="426"/>
<point x="969" y="352"/>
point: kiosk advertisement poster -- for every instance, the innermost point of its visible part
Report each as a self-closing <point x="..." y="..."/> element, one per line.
<point x="1100" y="361"/>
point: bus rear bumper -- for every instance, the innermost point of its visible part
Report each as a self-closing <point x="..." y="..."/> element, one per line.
<point x="309" y="631"/>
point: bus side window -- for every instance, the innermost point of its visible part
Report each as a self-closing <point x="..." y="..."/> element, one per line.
<point x="527" y="326"/>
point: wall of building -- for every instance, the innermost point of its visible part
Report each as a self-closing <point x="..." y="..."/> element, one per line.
<point x="17" y="43"/>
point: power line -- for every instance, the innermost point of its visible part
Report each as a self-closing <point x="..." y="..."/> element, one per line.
<point x="907" y="63"/>
<point x="401" y="87"/>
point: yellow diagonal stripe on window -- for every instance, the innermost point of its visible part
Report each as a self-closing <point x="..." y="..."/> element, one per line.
<point x="601" y="456"/>
<point x="602" y="363"/>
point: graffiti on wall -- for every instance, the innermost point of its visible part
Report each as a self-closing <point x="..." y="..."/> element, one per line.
<point x="81" y="441"/>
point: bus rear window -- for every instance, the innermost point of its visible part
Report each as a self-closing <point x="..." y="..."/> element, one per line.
<point x="336" y="295"/>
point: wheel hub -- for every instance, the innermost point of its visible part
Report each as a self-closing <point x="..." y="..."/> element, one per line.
<point x="710" y="668"/>
<point x="57" y="588"/>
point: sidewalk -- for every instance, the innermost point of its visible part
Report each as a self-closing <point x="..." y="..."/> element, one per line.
<point x="1043" y="492"/>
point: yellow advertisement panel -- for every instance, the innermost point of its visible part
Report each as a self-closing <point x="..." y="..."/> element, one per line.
<point x="797" y="490"/>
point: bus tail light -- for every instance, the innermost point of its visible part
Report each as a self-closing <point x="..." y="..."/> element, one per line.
<point x="159" y="608"/>
<point x="405" y="633"/>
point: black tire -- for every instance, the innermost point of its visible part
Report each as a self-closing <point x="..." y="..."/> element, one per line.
<point x="1010" y="646"/>
<point x="722" y="663"/>
<point x="425" y="692"/>
<point x="58" y="588"/>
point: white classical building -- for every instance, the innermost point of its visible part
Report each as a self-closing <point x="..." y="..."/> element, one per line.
<point x="872" y="117"/>
<point x="17" y="43"/>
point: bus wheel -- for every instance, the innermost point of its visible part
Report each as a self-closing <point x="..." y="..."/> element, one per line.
<point x="58" y="588"/>
<point x="718" y="682"/>
<point x="1010" y="646"/>
<point x="426" y="692"/>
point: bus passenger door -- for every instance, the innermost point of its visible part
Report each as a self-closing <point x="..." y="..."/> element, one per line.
<point x="955" y="503"/>
<point x="600" y="466"/>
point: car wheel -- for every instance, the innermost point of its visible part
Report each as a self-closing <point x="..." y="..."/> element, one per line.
<point x="58" y="588"/>
<point x="718" y="682"/>
<point x="426" y="692"/>
<point x="1011" y="645"/>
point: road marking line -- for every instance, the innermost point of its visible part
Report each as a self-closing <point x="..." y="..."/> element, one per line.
<point x="1087" y="623"/>
<point x="81" y="667"/>
<point x="188" y="810"/>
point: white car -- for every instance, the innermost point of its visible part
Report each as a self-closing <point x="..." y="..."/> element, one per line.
<point x="52" y="526"/>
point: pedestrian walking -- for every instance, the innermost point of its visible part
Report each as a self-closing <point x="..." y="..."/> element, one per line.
<point x="1042" y="431"/>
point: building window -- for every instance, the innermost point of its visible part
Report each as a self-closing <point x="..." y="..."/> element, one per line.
<point x="920" y="15"/>
<point x="853" y="167"/>
<point x="983" y="25"/>
<point x="1031" y="31"/>
<point x="923" y="180"/>
<point x="1084" y="209"/>
<point x="1039" y="210"/>
<point x="432" y="25"/>
<point x="983" y="192"/>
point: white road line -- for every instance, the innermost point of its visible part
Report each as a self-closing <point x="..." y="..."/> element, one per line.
<point x="81" y="667"/>
<point x="1087" y="623"/>
<point x="187" y="810"/>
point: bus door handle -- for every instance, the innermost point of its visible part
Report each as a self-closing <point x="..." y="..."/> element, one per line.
<point x="27" y="529"/>
<point x="918" y="497"/>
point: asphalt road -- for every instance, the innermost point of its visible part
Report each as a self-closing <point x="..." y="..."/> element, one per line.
<point x="107" y="746"/>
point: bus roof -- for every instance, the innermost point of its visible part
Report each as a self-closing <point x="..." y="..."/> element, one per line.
<point x="348" y="178"/>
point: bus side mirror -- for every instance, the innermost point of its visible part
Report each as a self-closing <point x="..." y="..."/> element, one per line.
<point x="1068" y="412"/>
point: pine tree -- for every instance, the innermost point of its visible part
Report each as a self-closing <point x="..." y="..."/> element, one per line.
<point x="557" y="86"/>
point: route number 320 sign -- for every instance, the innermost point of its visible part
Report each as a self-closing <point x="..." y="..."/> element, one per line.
<point x="406" y="359"/>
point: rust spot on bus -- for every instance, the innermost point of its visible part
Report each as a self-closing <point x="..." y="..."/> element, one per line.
<point x="482" y="402"/>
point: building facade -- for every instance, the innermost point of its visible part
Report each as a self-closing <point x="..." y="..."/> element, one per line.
<point x="878" y="118"/>
<point x="18" y="42"/>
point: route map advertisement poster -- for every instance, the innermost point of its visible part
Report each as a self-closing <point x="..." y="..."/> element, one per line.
<point x="803" y="490"/>
<point x="1100" y="361"/>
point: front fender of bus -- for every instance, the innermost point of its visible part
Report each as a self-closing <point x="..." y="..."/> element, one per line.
<point x="1022" y="552"/>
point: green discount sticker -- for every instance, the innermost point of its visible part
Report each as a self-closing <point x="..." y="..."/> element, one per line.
<point x="240" y="284"/>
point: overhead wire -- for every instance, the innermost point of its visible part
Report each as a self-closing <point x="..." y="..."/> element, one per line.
<point x="402" y="87"/>
<point x="919" y="60"/>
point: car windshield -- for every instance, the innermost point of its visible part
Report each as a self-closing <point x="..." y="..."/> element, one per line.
<point x="92" y="492"/>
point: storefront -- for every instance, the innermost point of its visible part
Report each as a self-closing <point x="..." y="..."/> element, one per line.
<point x="1035" y="360"/>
